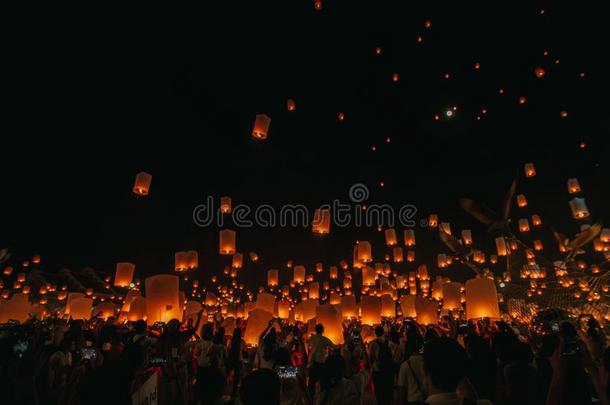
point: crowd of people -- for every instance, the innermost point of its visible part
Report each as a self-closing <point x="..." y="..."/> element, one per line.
<point x="102" y="361"/>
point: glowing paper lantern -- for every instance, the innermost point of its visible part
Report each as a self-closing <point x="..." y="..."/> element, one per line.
<point x="364" y="252"/>
<point x="17" y="308"/>
<point x="407" y="305"/>
<point x="409" y="237"/>
<point x="321" y="221"/>
<point x="104" y="310"/>
<point x="370" y="308"/>
<point x="501" y="246"/>
<point x="124" y="274"/>
<point x="538" y="245"/>
<point x="530" y="170"/>
<point x="261" y="127"/>
<point x="273" y="278"/>
<point x="539" y="72"/>
<point x="142" y="183"/>
<point x="290" y="105"/>
<point x="225" y="205"/>
<point x="579" y="208"/>
<point x="253" y="256"/>
<point x="481" y="299"/>
<point x="604" y="236"/>
<point x="335" y="298"/>
<point x="467" y="237"/>
<point x="536" y="221"/>
<point x="397" y="254"/>
<point x="238" y="261"/>
<point x="80" y="308"/>
<point x="348" y="306"/>
<point x="298" y="274"/>
<point x="180" y="261"/>
<point x="452" y="297"/>
<point x="162" y="298"/>
<point x="521" y="201"/>
<point x="319" y="267"/>
<point x="437" y="289"/>
<point x="265" y="302"/>
<point x="427" y="311"/>
<point x="524" y="225"/>
<point x="333" y="273"/>
<point x="390" y="237"/>
<point x="368" y="276"/>
<point x="330" y="316"/>
<point x="388" y="307"/>
<point x="258" y="320"/>
<point x="446" y="227"/>
<point x="309" y="309"/>
<point x="283" y="309"/>
<point x="227" y="242"/>
<point x="573" y="186"/>
<point x="314" y="291"/>
<point x="433" y="221"/>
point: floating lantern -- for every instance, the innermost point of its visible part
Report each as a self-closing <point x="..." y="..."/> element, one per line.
<point x="368" y="276"/>
<point x="433" y="221"/>
<point x="524" y="225"/>
<point x="261" y="127"/>
<point x="321" y="221"/>
<point x="273" y="278"/>
<point x="8" y="270"/>
<point x="180" y="261"/>
<point x="124" y="274"/>
<point x="290" y="105"/>
<point x="573" y="186"/>
<point x="538" y="245"/>
<point x="333" y="273"/>
<point x="536" y="221"/>
<point x="192" y="259"/>
<point x="530" y="170"/>
<point x="388" y="307"/>
<point x="253" y="256"/>
<point x="604" y="236"/>
<point x="467" y="237"/>
<point x="427" y="311"/>
<point x="442" y="260"/>
<point x="348" y="306"/>
<point x="364" y="252"/>
<point x="162" y="298"/>
<point x="579" y="208"/>
<point x="258" y="320"/>
<point x="409" y="237"/>
<point x="265" y="302"/>
<point x="298" y="274"/>
<point x="411" y="256"/>
<point x="80" y="308"/>
<point x="331" y="317"/>
<point x="395" y="77"/>
<point x="142" y="184"/>
<point x="521" y="201"/>
<point x="370" y="308"/>
<point x="501" y="247"/>
<point x="319" y="267"/>
<point x="227" y="242"/>
<point x="539" y="72"/>
<point x="390" y="237"/>
<point x="452" y="297"/>
<point x="36" y="259"/>
<point x="237" y="261"/>
<point x="225" y="205"/>
<point x="481" y="299"/>
<point x="407" y="305"/>
<point x="314" y="291"/>
<point x="446" y="227"/>
<point x="397" y="254"/>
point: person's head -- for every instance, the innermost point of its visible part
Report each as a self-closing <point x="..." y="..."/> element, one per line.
<point x="207" y="332"/>
<point x="444" y="364"/>
<point x="379" y="331"/>
<point x="431" y="334"/>
<point x="395" y="336"/>
<point x="262" y="383"/>
<point x="567" y="331"/>
<point x="319" y="329"/>
<point x="173" y="326"/>
<point x="140" y="327"/>
<point x="333" y="371"/>
<point x="281" y="357"/>
<point x="219" y="336"/>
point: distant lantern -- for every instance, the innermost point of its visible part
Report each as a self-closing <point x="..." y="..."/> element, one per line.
<point x="124" y="274"/>
<point x="452" y="297"/>
<point x="539" y="72"/>
<point x="290" y="105"/>
<point x="467" y="237"/>
<point x="225" y="205"/>
<point x="273" y="278"/>
<point x="319" y="267"/>
<point x="409" y="237"/>
<point x="530" y="170"/>
<point x="481" y="299"/>
<point x="180" y="261"/>
<point x="237" y="261"/>
<point x="433" y="221"/>
<point x="368" y="276"/>
<point x="573" y="186"/>
<point x="524" y="225"/>
<point x="333" y="273"/>
<point x="501" y="247"/>
<point x="162" y="298"/>
<point x="192" y="259"/>
<point x="411" y="256"/>
<point x="341" y="116"/>
<point x="442" y="260"/>
<point x="261" y="127"/>
<point x="364" y="254"/>
<point x="407" y="305"/>
<point x="604" y="236"/>
<point x="536" y="221"/>
<point x="370" y="308"/>
<point x="428" y="23"/>
<point x="21" y="277"/>
<point x="265" y="302"/>
<point x="538" y="245"/>
<point x="142" y="184"/>
<point x="321" y="221"/>
<point x="348" y="306"/>
<point x="446" y="227"/>
<point x="253" y="256"/>
<point x="378" y="51"/>
<point x="227" y="242"/>
<point x="258" y="321"/>
<point x="388" y="307"/>
<point x="317" y="5"/>
<point x="36" y="259"/>
<point x="579" y="208"/>
<point x="397" y="254"/>
<point x="80" y="308"/>
<point x="395" y="77"/>
<point x="298" y="274"/>
<point x="390" y="237"/>
<point x="314" y="291"/>
<point x="427" y="311"/>
<point x="422" y="272"/>
<point x="522" y="100"/>
<point x="521" y="201"/>
<point x="563" y="114"/>
<point x="210" y="299"/>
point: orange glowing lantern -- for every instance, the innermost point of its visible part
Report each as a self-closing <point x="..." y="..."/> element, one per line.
<point x="142" y="184"/>
<point x="397" y="254"/>
<point x="388" y="307"/>
<point x="36" y="259"/>
<point x="409" y="237"/>
<point x="433" y="221"/>
<point x="521" y="201"/>
<point x="258" y="320"/>
<point x="8" y="270"/>
<point x="273" y="278"/>
<point x="604" y="236"/>
<point x="446" y="227"/>
<point x="180" y="262"/>
<point x="364" y="252"/>
<point x="395" y="77"/>
<point x="536" y="221"/>
<point x="452" y="297"/>
<point x="290" y="105"/>
<point x="467" y="237"/>
<point x="237" y="261"/>
<point x="321" y="221"/>
<point x="331" y="317"/>
<point x="427" y="311"/>
<point x="261" y="127"/>
<point x="501" y="247"/>
<point x="538" y="245"/>
<point x="368" y="276"/>
<point x="162" y="298"/>
<point x="348" y="306"/>
<point x="298" y="274"/>
<point x="530" y="170"/>
<point x="227" y="242"/>
<point x="411" y="256"/>
<point x="225" y="205"/>
<point x="370" y="308"/>
<point x="333" y="273"/>
<point x="253" y="256"/>
<point x="265" y="302"/>
<point x="573" y="186"/>
<point x="579" y="208"/>
<point x="124" y="274"/>
<point x="390" y="237"/>
<point x="80" y="308"/>
<point x="481" y="299"/>
<point x="539" y="72"/>
<point x="524" y="225"/>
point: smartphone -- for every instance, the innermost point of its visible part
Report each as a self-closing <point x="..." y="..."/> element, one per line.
<point x="88" y="353"/>
<point x="287" y="371"/>
<point x="157" y="361"/>
<point x="20" y="347"/>
<point x="555" y="327"/>
<point x="571" y="348"/>
<point x="159" y="324"/>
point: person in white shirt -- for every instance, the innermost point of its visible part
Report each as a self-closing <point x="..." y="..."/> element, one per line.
<point x="318" y="346"/>
<point x="445" y="374"/>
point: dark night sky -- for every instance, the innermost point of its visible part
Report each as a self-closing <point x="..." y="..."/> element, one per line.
<point x="98" y="98"/>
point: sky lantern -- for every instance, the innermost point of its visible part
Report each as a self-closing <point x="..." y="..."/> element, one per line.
<point x="446" y="227"/>
<point x="522" y="100"/>
<point x="261" y="127"/>
<point x="258" y="320"/>
<point x="397" y="254"/>
<point x="319" y="267"/>
<point x="604" y="235"/>
<point x="273" y="278"/>
<point x="80" y="308"/>
<point x="317" y="5"/>
<point x="452" y="297"/>
<point x="16" y="308"/>
<point x="331" y="317"/>
<point x="180" y="261"/>
<point x="538" y="245"/>
<point x="521" y="201"/>
<point x="237" y="261"/>
<point x="298" y="274"/>
<point x="442" y="260"/>
<point x="8" y="270"/>
<point x="539" y="72"/>
<point x="370" y="308"/>
<point x="162" y="298"/>
<point x="433" y="221"/>
<point x="225" y="205"/>
<point x="321" y="221"/>
<point x="536" y="221"/>
<point x="395" y="77"/>
<point x="409" y="237"/>
<point x="227" y="242"/>
<point x="378" y="51"/>
<point x="390" y="237"/>
<point x="364" y="254"/>
<point x="36" y="259"/>
<point x="283" y="309"/>
<point x="290" y="105"/>
<point x="192" y="259"/>
<point x="124" y="274"/>
<point x="524" y="225"/>
<point x="579" y="208"/>
<point x="253" y="256"/>
<point x="265" y="301"/>
<point x="368" y="276"/>
<point x="388" y="307"/>
<point x="411" y="256"/>
<point x="348" y="306"/>
<point x="104" y="310"/>
<point x="481" y="299"/>
<point x="142" y="184"/>
<point x="563" y="113"/>
<point x="341" y="116"/>
<point x="573" y="186"/>
<point x="530" y="170"/>
<point x="314" y="291"/>
<point x="501" y="247"/>
<point x="309" y="309"/>
<point x="427" y="311"/>
<point x="407" y="305"/>
<point x="333" y="272"/>
<point x="467" y="237"/>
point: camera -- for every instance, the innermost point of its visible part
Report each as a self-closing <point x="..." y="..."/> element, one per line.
<point x="287" y="371"/>
<point x="88" y="353"/>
